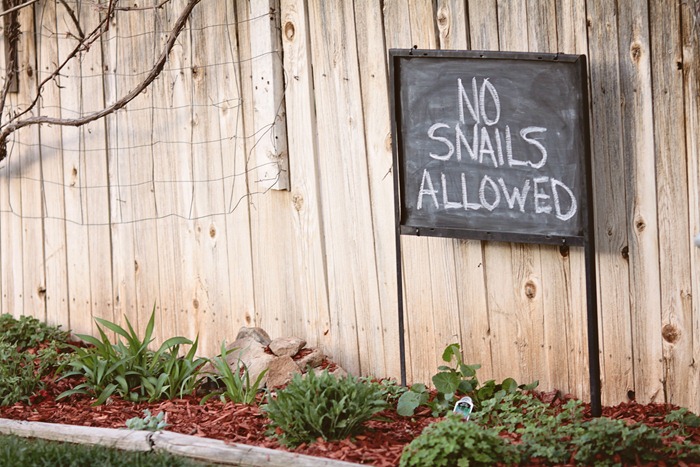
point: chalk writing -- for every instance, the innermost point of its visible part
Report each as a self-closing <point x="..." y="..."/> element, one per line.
<point x="482" y="135"/>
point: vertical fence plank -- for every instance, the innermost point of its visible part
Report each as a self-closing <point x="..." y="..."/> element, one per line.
<point x="352" y="274"/>
<point x="235" y="187"/>
<point x="690" y="28"/>
<point x="211" y="310"/>
<point x="672" y="194"/>
<point x="11" y="236"/>
<point x="94" y="143"/>
<point x="73" y="183"/>
<point x="611" y="223"/>
<point x="375" y="103"/>
<point x="275" y="300"/>
<point x="555" y="266"/>
<point x="422" y="348"/>
<point x="572" y="38"/>
<point x="640" y="183"/>
<point x="307" y="237"/>
<point x="137" y="53"/>
<point x="50" y="145"/>
<point x="28" y="151"/>
<point x="53" y="176"/>
<point x="174" y="188"/>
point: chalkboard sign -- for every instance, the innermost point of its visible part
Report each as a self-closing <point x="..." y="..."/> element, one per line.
<point x="491" y="145"/>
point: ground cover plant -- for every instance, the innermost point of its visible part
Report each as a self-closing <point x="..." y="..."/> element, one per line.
<point x="29" y="351"/>
<point x="34" y="453"/>
<point x="360" y="419"/>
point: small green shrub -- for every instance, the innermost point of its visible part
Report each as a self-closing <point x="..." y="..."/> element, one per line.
<point x="453" y="381"/>
<point x="148" y="422"/>
<point x="129" y="368"/>
<point x="455" y="442"/>
<point x="236" y="383"/>
<point x="322" y="406"/>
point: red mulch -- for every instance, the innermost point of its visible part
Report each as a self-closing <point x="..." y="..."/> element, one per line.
<point x="380" y="445"/>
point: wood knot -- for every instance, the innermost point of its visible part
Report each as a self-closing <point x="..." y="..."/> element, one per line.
<point x="625" y="252"/>
<point x="640" y="225"/>
<point x="298" y="201"/>
<point x="195" y="303"/>
<point x="530" y="290"/>
<point x="442" y="18"/>
<point x="670" y="333"/>
<point x="289" y="30"/>
<point x="636" y="52"/>
<point x="212" y="231"/>
<point x="564" y="251"/>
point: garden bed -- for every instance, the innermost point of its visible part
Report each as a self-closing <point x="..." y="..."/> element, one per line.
<point x="380" y="445"/>
<point x="513" y="423"/>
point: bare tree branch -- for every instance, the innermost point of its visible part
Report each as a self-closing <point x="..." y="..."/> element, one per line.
<point x="83" y="45"/>
<point x="18" y="7"/>
<point x="16" y="123"/>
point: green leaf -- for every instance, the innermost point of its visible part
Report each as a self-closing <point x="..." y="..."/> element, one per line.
<point x="446" y="382"/>
<point x="449" y="352"/>
<point x="509" y="385"/>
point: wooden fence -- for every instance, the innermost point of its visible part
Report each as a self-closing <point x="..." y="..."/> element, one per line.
<point x="163" y="202"/>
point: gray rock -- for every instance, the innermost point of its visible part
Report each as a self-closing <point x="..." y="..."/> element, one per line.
<point x="258" y="334"/>
<point x="287" y="346"/>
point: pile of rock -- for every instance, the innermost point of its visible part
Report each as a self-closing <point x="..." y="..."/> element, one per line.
<point x="282" y="357"/>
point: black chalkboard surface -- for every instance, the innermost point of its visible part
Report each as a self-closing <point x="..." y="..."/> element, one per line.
<point x="491" y="145"/>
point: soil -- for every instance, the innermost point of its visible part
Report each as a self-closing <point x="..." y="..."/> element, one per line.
<point x="380" y="445"/>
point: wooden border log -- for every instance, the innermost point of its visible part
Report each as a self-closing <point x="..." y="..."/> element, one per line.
<point x="128" y="440"/>
<point x="214" y="450"/>
<point x="193" y="447"/>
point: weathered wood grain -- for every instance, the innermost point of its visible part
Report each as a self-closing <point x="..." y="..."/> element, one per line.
<point x="269" y="122"/>
<point x="610" y="204"/>
<point x="640" y="185"/>
<point x="672" y="197"/>
<point x="52" y="174"/>
<point x="307" y="239"/>
<point x="690" y="28"/>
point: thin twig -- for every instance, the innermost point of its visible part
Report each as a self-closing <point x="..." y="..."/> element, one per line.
<point x="71" y="13"/>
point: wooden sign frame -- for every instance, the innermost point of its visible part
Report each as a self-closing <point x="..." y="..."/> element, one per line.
<point x="408" y="223"/>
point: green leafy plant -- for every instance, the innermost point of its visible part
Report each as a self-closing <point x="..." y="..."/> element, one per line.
<point x="129" y="368"/>
<point x="454" y="442"/>
<point x="28" y="332"/>
<point x="603" y="439"/>
<point x="322" y="406"/>
<point x="148" y="422"/>
<point x="18" y="380"/>
<point x="29" y="350"/>
<point x="390" y="389"/>
<point x="453" y="381"/>
<point x="236" y="382"/>
<point x="544" y="430"/>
